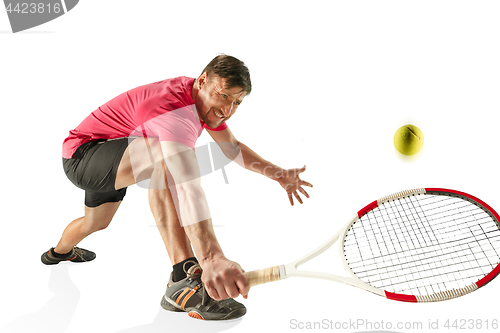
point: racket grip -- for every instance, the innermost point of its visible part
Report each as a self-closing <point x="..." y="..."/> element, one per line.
<point x="264" y="275"/>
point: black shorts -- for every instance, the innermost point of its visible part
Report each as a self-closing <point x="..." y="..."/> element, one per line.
<point x="93" y="168"/>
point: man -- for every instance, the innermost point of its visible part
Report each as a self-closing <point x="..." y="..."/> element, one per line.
<point x="150" y="133"/>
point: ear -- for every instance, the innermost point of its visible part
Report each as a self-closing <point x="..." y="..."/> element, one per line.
<point x="202" y="79"/>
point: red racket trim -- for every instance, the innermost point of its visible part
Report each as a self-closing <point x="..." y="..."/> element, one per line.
<point x="365" y="210"/>
<point x="484" y="204"/>
<point x="401" y="297"/>
<point x="496" y="270"/>
<point x="488" y="277"/>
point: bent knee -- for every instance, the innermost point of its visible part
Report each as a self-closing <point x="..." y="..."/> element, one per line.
<point x="91" y="226"/>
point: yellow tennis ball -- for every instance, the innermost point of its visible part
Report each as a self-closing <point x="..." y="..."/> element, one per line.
<point x="408" y="139"/>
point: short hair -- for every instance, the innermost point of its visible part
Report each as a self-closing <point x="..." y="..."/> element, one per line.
<point x="232" y="69"/>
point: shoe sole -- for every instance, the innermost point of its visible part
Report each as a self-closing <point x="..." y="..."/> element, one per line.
<point x="214" y="316"/>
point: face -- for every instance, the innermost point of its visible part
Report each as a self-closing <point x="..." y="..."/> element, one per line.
<point x="215" y="102"/>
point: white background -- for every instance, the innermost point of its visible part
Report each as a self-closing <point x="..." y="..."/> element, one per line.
<point x="333" y="81"/>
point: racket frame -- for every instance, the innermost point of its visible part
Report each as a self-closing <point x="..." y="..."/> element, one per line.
<point x="291" y="269"/>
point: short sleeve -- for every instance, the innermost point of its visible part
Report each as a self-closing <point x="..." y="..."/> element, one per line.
<point x="179" y="125"/>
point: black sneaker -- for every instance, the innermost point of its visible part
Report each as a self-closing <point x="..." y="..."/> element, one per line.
<point x="76" y="255"/>
<point x="189" y="295"/>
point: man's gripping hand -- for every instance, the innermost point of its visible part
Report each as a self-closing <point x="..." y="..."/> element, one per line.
<point x="223" y="279"/>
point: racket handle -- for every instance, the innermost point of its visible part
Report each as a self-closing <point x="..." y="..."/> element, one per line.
<point x="264" y="275"/>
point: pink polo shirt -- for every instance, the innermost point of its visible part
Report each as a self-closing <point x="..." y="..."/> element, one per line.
<point x="164" y="110"/>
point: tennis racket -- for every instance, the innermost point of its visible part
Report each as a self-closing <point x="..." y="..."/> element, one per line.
<point x="421" y="245"/>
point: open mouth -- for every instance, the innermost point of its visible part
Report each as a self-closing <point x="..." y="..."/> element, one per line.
<point x="218" y="114"/>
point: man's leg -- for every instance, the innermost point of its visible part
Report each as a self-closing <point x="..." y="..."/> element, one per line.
<point x="93" y="168"/>
<point x="142" y="159"/>
<point x="96" y="218"/>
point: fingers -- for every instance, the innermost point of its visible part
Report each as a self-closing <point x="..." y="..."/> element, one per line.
<point x="222" y="290"/>
<point x="243" y="286"/>
<point x="301" y="190"/>
<point x="229" y="284"/>
<point x="295" y="172"/>
<point x="211" y="291"/>
<point x="304" y="183"/>
<point x="297" y="197"/>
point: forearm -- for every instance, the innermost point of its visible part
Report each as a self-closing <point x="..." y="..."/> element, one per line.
<point x="195" y="218"/>
<point x="205" y="244"/>
<point x="192" y="203"/>
<point x="254" y="162"/>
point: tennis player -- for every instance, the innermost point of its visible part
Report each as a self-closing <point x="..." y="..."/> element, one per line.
<point x="150" y="133"/>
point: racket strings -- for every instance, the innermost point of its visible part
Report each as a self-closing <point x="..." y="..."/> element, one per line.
<point x="423" y="245"/>
<point x="440" y="261"/>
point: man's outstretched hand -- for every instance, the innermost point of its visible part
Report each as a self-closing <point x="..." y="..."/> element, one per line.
<point x="292" y="183"/>
<point x="224" y="279"/>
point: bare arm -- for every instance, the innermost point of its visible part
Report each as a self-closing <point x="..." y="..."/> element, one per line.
<point x="223" y="278"/>
<point x="250" y="160"/>
<point x="243" y="155"/>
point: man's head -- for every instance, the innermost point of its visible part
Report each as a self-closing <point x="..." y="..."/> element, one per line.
<point x="220" y="89"/>
<point x="233" y="70"/>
